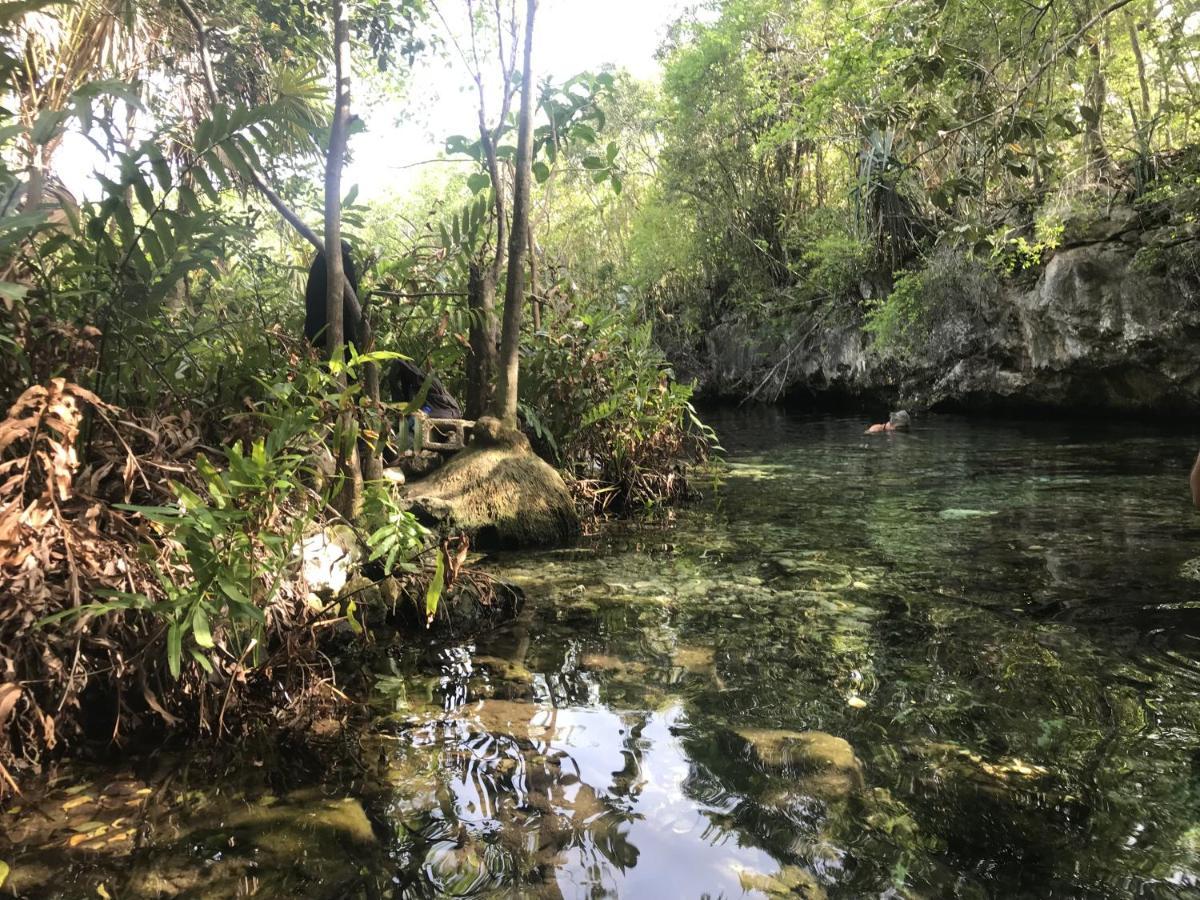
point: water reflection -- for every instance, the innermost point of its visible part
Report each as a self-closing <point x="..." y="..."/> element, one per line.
<point x="960" y="662"/>
<point x="568" y="802"/>
<point x="978" y="611"/>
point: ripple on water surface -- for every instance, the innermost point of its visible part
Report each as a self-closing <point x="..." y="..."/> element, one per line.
<point x="955" y="662"/>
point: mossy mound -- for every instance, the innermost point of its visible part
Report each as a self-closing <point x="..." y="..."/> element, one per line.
<point x="499" y="492"/>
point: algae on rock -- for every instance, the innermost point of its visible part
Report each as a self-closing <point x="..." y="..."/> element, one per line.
<point x="498" y="491"/>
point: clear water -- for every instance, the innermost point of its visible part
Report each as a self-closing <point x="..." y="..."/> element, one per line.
<point x="958" y="662"/>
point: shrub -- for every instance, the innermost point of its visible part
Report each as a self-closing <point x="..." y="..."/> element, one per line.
<point x="835" y="264"/>
<point x="602" y="401"/>
<point x="894" y="321"/>
<point x="196" y="610"/>
<point x="951" y="285"/>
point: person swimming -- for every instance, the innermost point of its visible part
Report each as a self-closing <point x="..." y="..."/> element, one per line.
<point x="897" y="421"/>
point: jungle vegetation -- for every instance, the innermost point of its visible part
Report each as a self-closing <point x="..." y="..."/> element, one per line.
<point x="796" y="158"/>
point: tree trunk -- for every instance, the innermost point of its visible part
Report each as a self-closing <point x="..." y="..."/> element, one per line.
<point x="260" y="181"/>
<point x="35" y="188"/>
<point x="1136" y="46"/>
<point x="481" y="363"/>
<point x="514" y="287"/>
<point x="347" y="500"/>
<point x="1097" y="94"/>
<point x="535" y="302"/>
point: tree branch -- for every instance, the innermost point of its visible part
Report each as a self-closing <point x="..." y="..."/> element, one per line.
<point x="1033" y="79"/>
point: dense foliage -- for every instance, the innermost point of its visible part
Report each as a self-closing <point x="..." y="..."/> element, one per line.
<point x="812" y="151"/>
<point x="167" y="449"/>
<point x="800" y="162"/>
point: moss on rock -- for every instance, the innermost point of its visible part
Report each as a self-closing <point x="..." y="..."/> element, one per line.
<point x="498" y="491"/>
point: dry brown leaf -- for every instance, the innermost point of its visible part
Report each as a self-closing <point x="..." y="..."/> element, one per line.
<point x="9" y="695"/>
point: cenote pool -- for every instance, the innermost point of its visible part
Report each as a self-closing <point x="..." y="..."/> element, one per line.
<point x="958" y="662"/>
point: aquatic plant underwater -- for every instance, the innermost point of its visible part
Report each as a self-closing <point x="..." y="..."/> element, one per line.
<point x="956" y="662"/>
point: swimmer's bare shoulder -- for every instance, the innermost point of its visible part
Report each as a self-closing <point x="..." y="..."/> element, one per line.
<point x="897" y="421"/>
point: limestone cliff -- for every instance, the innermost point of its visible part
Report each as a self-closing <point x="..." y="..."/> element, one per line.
<point x="1111" y="321"/>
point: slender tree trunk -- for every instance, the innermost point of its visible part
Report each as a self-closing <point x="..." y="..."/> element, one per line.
<point x="347" y="500"/>
<point x="1097" y="94"/>
<point x="535" y="301"/>
<point x="481" y="364"/>
<point x="514" y="287"/>
<point x="1136" y="46"/>
<point x="257" y="178"/>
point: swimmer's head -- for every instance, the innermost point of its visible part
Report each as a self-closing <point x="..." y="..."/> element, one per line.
<point x="899" y="419"/>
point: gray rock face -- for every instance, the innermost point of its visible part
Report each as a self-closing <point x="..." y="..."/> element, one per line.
<point x="1095" y="332"/>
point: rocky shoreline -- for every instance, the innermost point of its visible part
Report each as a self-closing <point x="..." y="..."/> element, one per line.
<point x="1110" y="322"/>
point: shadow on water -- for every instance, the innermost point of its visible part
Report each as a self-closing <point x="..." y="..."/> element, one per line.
<point x="958" y="662"/>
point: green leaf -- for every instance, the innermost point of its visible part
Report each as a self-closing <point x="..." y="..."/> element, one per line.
<point x="201" y="659"/>
<point x="593" y="162"/>
<point x="457" y="143"/>
<point x="433" y="594"/>
<point x="11" y="291"/>
<point x="200" y="140"/>
<point x="47" y="126"/>
<point x="124" y="219"/>
<point x="162" y="170"/>
<point x="154" y="247"/>
<point x="611" y="151"/>
<point x="190" y="201"/>
<point x="220" y="122"/>
<point x="201" y="177"/>
<point x="541" y="172"/>
<point x="216" y="167"/>
<point x="351" y="609"/>
<point x="1066" y="124"/>
<point x="234" y="161"/>
<point x="145" y="196"/>
<point x="250" y="154"/>
<point x="25" y="220"/>
<point x="174" y="649"/>
<point x="165" y="237"/>
<point x="479" y="181"/>
<point x="232" y="591"/>
<point x="617" y="184"/>
<point x="584" y="133"/>
<point x="200" y="628"/>
<point x="4" y="870"/>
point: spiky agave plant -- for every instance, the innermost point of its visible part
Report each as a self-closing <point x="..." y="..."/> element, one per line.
<point x="887" y="216"/>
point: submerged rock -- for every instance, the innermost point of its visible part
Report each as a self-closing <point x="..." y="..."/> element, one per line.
<point x="499" y="492"/>
<point x="825" y="765"/>
<point x="302" y="821"/>
<point x="1190" y="569"/>
<point x="790" y="881"/>
<point x="467" y="607"/>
